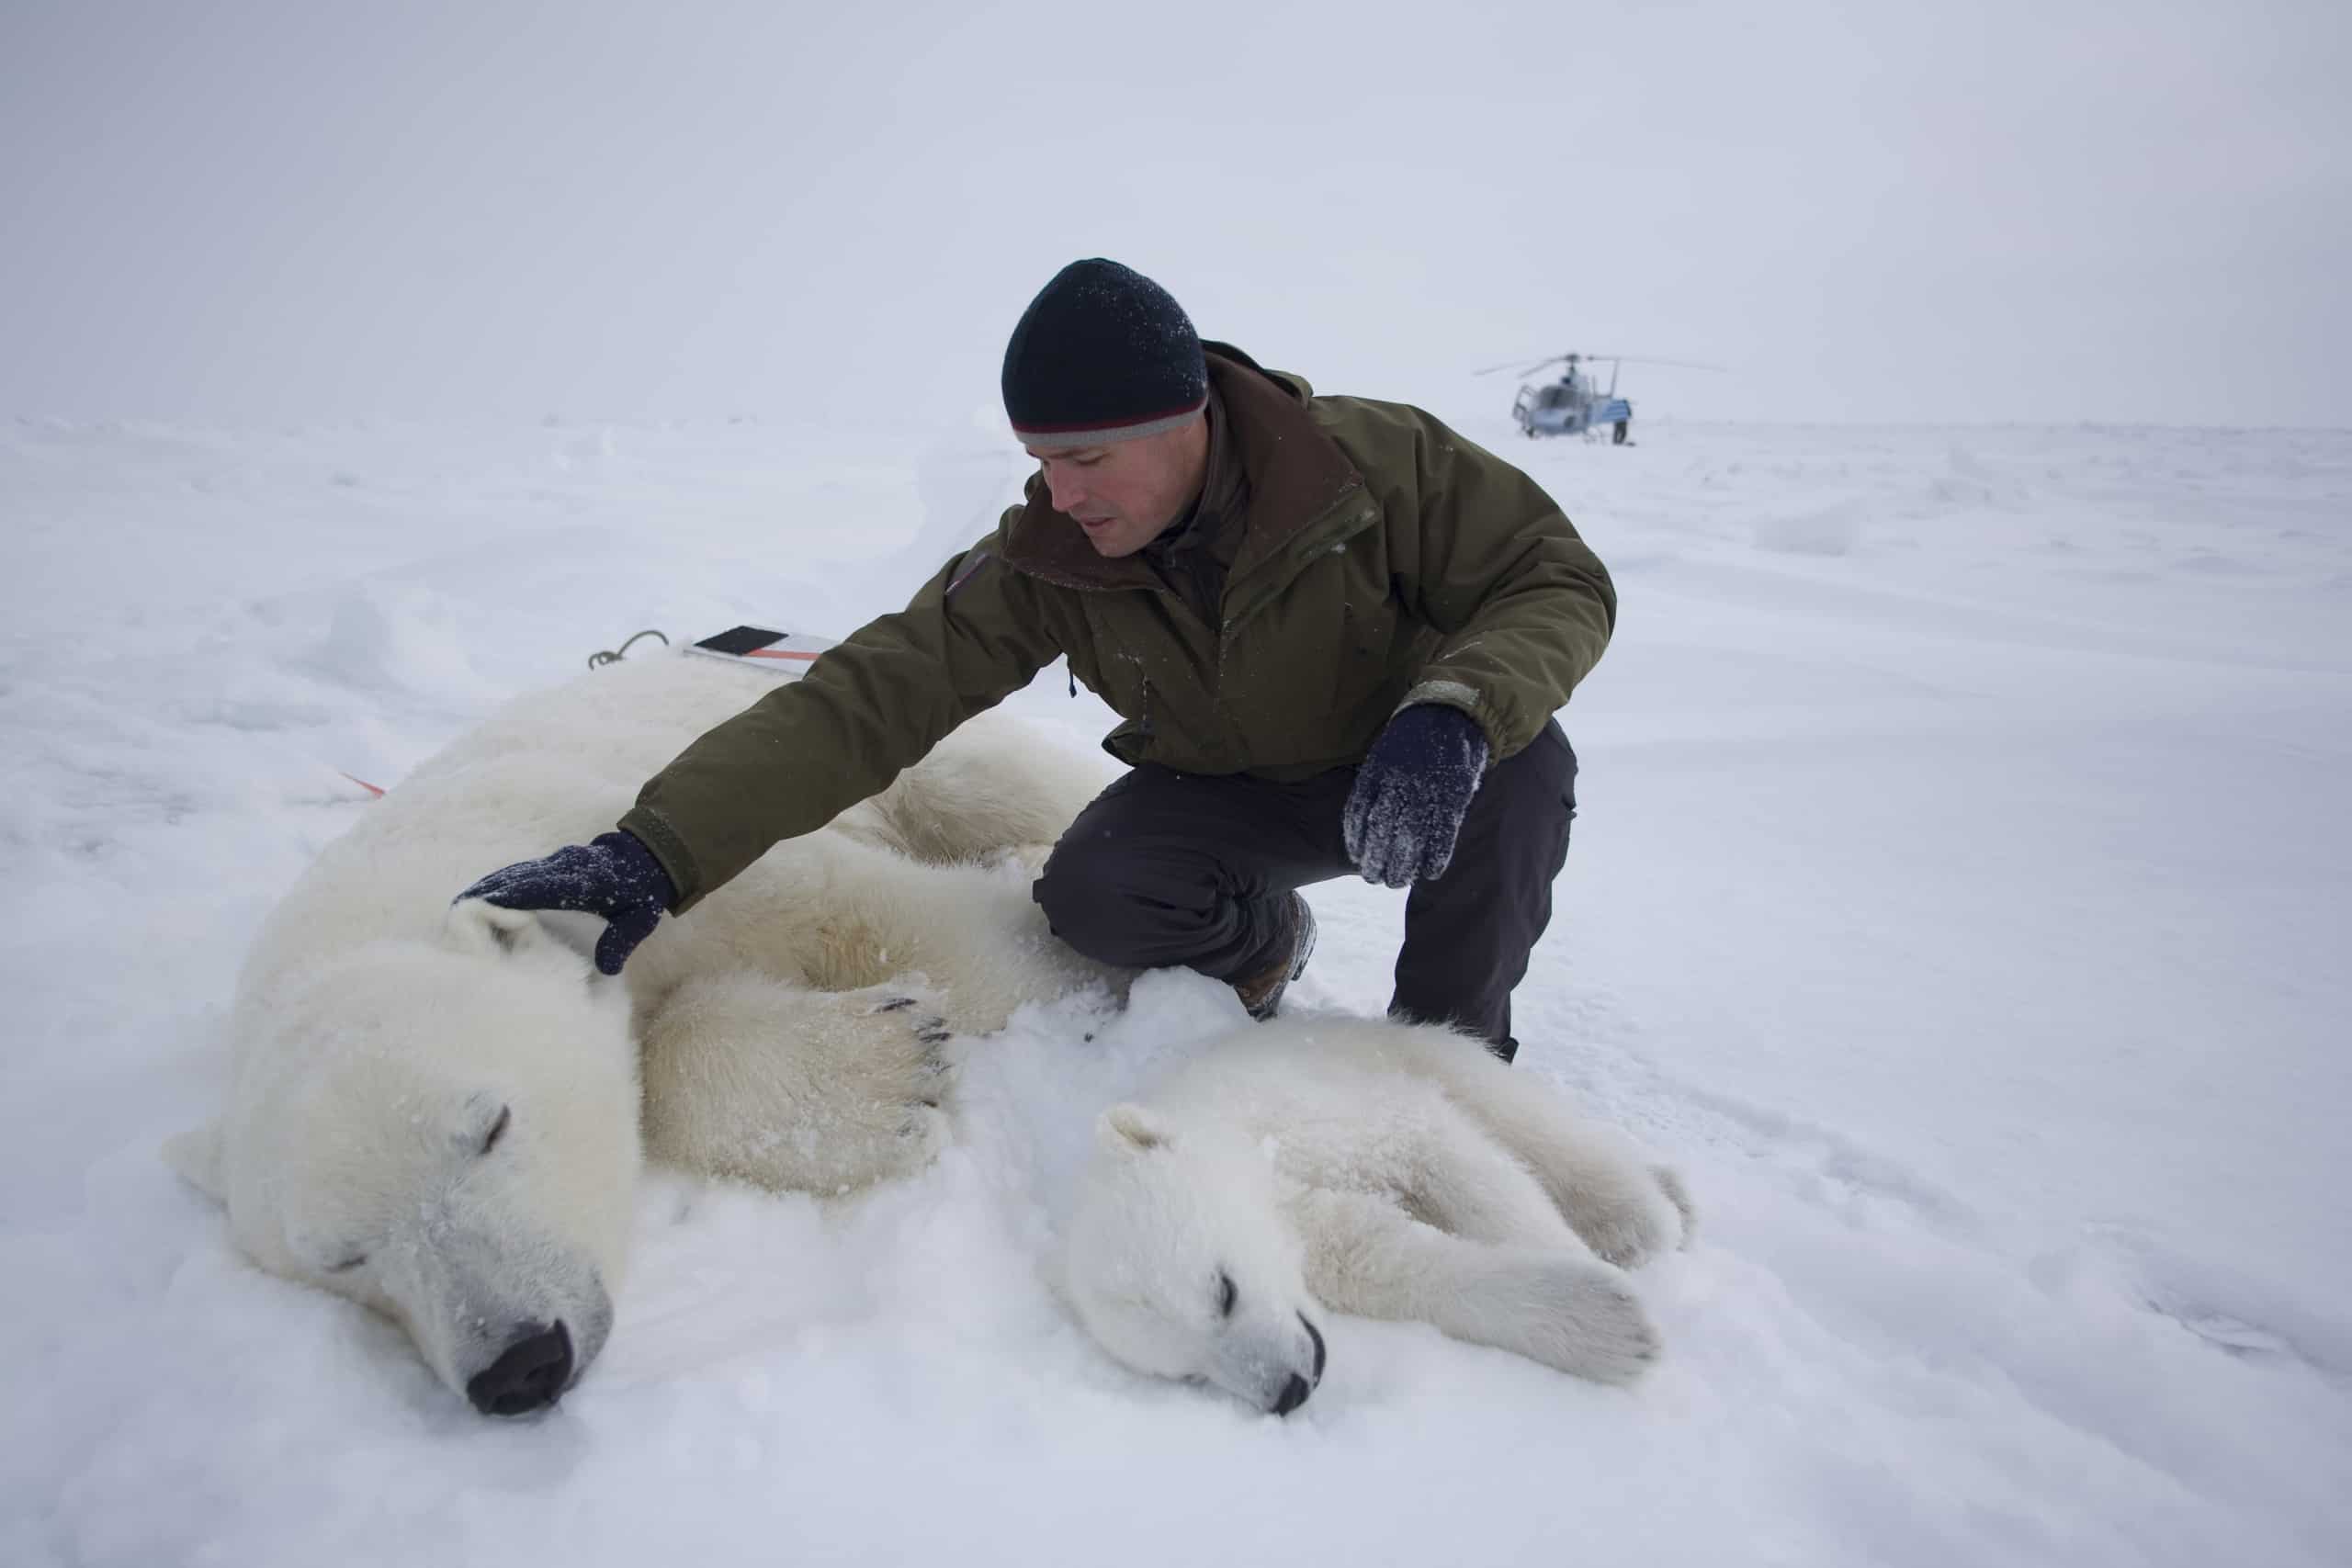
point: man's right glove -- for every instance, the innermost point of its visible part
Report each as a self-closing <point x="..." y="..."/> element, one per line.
<point x="1411" y="793"/>
<point x="612" y="874"/>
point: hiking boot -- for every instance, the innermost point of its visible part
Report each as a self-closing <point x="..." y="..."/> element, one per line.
<point x="1262" y="994"/>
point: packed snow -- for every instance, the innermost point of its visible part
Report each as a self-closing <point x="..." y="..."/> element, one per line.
<point x="1959" y="898"/>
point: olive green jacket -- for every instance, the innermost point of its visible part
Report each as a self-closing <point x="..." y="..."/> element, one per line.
<point x="1385" y="561"/>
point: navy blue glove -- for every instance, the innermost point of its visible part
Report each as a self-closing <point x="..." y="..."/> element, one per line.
<point x="612" y="874"/>
<point x="1412" y="793"/>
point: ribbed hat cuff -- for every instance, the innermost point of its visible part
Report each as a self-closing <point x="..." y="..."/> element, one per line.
<point x="1104" y="434"/>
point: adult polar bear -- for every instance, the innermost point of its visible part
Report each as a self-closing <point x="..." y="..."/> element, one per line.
<point x="436" y="1110"/>
<point x="1387" y="1170"/>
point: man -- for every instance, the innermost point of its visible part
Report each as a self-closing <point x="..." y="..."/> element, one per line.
<point x="1336" y="630"/>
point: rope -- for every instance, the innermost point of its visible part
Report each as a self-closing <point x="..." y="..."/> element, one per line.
<point x="598" y="660"/>
<point x="595" y="661"/>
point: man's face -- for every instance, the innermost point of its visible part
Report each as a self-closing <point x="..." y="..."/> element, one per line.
<point x="1127" y="493"/>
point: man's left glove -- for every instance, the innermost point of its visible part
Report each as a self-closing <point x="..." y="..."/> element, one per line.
<point x="612" y="874"/>
<point x="1411" y="793"/>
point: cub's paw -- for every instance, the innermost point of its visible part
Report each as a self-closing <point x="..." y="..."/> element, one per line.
<point x="1577" y="1315"/>
<point x="1631" y="1219"/>
<point x="1669" y="1181"/>
<point x="1615" y="1340"/>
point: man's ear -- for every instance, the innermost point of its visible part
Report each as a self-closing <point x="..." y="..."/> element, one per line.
<point x="196" y="1155"/>
<point x="1129" y="1129"/>
<point x="484" y="927"/>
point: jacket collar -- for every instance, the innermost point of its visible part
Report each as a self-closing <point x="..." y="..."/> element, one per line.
<point x="1296" y="474"/>
<point x="1214" y="522"/>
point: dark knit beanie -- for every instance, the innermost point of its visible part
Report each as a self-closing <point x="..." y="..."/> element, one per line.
<point x="1103" y="354"/>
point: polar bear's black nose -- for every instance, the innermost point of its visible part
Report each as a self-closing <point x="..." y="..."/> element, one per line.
<point x="528" y="1375"/>
<point x="1294" y="1394"/>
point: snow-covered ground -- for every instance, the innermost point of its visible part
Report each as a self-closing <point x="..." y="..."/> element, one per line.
<point x="1961" y="897"/>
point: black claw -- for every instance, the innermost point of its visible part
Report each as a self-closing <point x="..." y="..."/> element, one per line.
<point x="895" y="1003"/>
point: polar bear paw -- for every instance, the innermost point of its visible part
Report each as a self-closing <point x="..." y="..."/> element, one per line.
<point x="1630" y="1221"/>
<point x="1627" y="1212"/>
<point x="929" y="1029"/>
<point x="1580" y="1317"/>
<point x="924" y="1129"/>
<point x="806" y="1091"/>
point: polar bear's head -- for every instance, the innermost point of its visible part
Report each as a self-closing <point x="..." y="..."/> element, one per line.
<point x="1180" y="1264"/>
<point x="446" y="1131"/>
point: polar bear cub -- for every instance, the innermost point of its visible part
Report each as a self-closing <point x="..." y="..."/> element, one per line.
<point x="441" y="1110"/>
<point x="1387" y="1170"/>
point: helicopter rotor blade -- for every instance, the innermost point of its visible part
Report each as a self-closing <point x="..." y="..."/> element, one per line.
<point x="1638" y="359"/>
<point x="1514" y="364"/>
<point x="1597" y="359"/>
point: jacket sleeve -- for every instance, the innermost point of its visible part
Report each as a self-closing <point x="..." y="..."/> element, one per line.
<point x="1523" y="606"/>
<point x="867" y="709"/>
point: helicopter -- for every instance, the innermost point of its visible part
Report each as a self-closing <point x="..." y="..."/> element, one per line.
<point x="1576" y="404"/>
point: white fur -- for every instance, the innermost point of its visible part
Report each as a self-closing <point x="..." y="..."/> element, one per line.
<point x="783" y="1033"/>
<point x="1385" y="1169"/>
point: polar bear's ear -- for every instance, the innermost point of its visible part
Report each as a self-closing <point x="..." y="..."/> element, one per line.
<point x="196" y="1155"/>
<point x="487" y="927"/>
<point x="1130" y="1129"/>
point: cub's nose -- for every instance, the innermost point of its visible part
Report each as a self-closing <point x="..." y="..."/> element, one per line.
<point x="533" y="1369"/>
<point x="1295" y="1391"/>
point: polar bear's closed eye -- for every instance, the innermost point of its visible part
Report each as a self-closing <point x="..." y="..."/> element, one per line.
<point x="1417" y="1177"/>
<point x="441" y="1109"/>
<point x="472" y="1184"/>
<point x="1173" y="1272"/>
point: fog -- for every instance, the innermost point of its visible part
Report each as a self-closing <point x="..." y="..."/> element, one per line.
<point x="290" y="210"/>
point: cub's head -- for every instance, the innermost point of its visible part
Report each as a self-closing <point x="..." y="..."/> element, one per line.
<point x="1179" y="1263"/>
<point x="445" y="1132"/>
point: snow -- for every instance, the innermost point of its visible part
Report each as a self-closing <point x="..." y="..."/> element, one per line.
<point x="1958" y="896"/>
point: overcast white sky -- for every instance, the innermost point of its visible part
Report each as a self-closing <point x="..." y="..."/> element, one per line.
<point x="1984" y="211"/>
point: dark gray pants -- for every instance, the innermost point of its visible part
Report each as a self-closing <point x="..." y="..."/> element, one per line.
<point x="1167" y="869"/>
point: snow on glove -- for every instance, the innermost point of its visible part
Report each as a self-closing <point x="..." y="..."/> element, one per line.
<point x="612" y="874"/>
<point x="1411" y="793"/>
